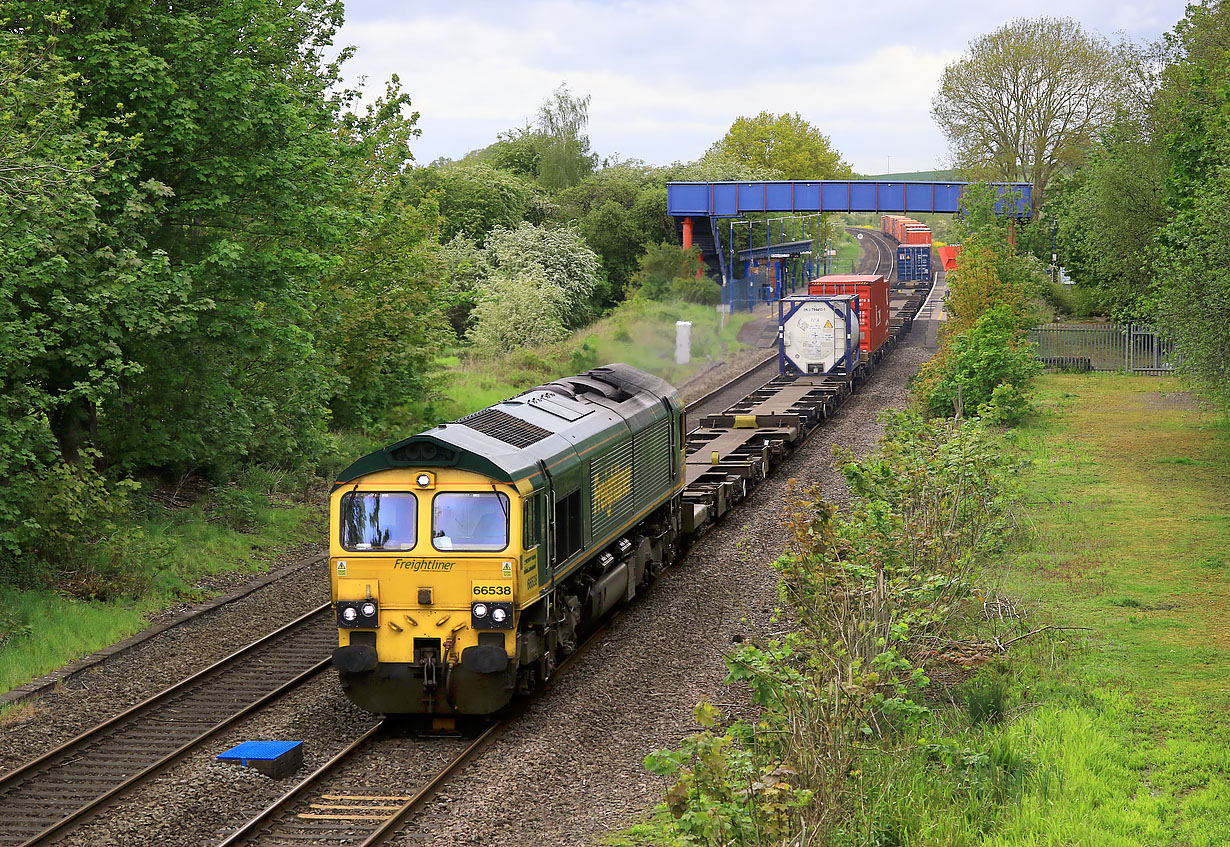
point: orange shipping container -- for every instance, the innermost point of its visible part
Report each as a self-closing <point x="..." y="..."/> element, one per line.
<point x="872" y="294"/>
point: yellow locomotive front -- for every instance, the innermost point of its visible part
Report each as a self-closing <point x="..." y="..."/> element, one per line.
<point x="429" y="568"/>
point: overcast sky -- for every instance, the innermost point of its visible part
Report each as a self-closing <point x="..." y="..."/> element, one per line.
<point x="667" y="78"/>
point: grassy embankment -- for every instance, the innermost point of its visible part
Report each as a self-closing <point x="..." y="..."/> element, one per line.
<point x="1129" y="727"/>
<point x="42" y="630"/>
<point x="1116" y="729"/>
<point x="642" y="334"/>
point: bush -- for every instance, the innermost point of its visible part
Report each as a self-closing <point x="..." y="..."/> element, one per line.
<point x="77" y="535"/>
<point x="525" y="310"/>
<point x="700" y="290"/>
<point x="1075" y="301"/>
<point x="868" y="593"/>
<point x="236" y="508"/>
<point x="987" y="369"/>
<point x="584" y="357"/>
<point x="661" y="267"/>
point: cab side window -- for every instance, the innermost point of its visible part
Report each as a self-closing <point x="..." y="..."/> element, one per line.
<point x="529" y="529"/>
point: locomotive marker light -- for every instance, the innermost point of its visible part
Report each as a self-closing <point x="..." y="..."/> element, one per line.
<point x="498" y="615"/>
<point x="423" y="480"/>
<point x="480" y="610"/>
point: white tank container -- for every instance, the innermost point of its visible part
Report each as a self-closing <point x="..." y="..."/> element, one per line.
<point x="818" y="334"/>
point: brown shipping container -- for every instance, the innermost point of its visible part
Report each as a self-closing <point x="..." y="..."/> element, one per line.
<point x="872" y="294"/>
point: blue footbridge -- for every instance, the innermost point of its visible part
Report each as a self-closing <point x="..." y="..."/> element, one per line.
<point x="784" y="241"/>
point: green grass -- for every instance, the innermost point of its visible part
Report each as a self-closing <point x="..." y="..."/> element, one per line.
<point x="1130" y="527"/>
<point x="43" y="630"/>
<point x="847" y="247"/>
<point x="1117" y="728"/>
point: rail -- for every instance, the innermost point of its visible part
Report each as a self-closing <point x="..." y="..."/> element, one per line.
<point x="46" y="795"/>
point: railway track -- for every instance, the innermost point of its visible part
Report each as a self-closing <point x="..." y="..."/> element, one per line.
<point x="48" y="795"/>
<point x="886" y="256"/>
<point x="344" y="803"/>
<point x="352" y="801"/>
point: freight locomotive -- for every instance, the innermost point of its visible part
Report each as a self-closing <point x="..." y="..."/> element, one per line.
<point x="467" y="561"/>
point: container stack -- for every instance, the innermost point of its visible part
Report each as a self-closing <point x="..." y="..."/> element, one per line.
<point x="914" y="246"/>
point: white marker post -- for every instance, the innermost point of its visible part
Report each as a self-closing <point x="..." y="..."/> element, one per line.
<point x="683" y="342"/>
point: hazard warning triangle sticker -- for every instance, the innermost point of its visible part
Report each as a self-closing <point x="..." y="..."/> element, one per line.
<point x="828" y="324"/>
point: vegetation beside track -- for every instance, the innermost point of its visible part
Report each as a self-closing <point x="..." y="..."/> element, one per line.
<point x="1076" y="694"/>
<point x="640" y="333"/>
<point x="244" y="528"/>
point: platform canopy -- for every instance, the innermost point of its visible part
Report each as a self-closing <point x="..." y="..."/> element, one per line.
<point x="732" y="199"/>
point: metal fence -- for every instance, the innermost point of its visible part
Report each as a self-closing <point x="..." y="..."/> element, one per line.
<point x="1134" y="348"/>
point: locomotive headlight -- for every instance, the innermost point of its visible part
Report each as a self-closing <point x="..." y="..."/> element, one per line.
<point x="498" y="615"/>
<point x="369" y="610"/>
<point x="349" y="613"/>
<point x="480" y="610"/>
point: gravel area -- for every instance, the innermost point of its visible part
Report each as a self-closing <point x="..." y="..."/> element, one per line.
<point x="201" y="801"/>
<point x="129" y="677"/>
<point x="571" y="768"/>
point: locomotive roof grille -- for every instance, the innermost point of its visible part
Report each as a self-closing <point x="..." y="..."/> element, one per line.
<point x="505" y="427"/>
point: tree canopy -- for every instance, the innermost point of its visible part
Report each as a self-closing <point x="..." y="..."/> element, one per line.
<point x="565" y="156"/>
<point x="1028" y="100"/>
<point x="786" y="144"/>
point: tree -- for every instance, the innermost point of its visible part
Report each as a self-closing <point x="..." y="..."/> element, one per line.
<point x="565" y="158"/>
<point x="379" y="313"/>
<point x="620" y="210"/>
<point x="560" y="256"/>
<point x="518" y="150"/>
<point x="1193" y="284"/>
<point x="786" y="144"/>
<point x="1028" y="100"/>
<point x="518" y="309"/>
<point x="474" y="197"/>
<point x="265" y="220"/>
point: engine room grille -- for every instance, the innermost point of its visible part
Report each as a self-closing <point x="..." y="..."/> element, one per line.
<point x="505" y="427"/>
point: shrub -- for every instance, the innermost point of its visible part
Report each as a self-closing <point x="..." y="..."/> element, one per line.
<point x="866" y="592"/>
<point x="77" y="534"/>
<point x="584" y="357"/>
<point x="987" y="369"/>
<point x="661" y="266"/>
<point x="519" y="311"/>
<point x="237" y="508"/>
<point x="700" y="290"/>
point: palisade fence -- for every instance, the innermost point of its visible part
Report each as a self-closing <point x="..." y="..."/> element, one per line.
<point x="1134" y="348"/>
